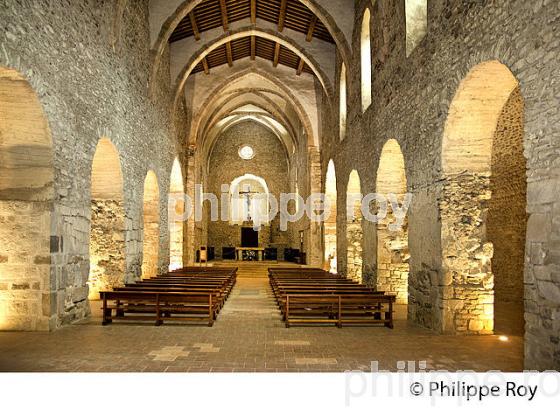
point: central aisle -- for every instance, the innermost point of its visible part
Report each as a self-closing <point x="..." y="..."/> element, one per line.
<point x="251" y="304"/>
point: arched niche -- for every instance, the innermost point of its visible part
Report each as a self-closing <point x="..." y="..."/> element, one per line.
<point x="392" y="241"/>
<point x="176" y="214"/>
<point x="329" y="225"/>
<point x="26" y="204"/>
<point x="106" y="241"/>
<point x="248" y="199"/>
<point x="483" y="206"/>
<point x="354" y="231"/>
<point x="150" y="248"/>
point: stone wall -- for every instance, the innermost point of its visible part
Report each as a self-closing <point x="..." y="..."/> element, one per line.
<point x="270" y="163"/>
<point x="106" y="246"/>
<point x="411" y="100"/>
<point x="507" y="217"/>
<point x="91" y="87"/>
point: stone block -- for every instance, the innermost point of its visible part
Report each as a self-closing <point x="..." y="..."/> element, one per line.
<point x="549" y="290"/>
<point x="539" y="227"/>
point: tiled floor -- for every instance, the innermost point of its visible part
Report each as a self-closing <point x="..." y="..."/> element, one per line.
<point x="249" y="336"/>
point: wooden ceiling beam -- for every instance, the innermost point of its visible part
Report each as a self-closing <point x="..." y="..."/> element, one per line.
<point x="276" y="55"/>
<point x="229" y="54"/>
<point x="194" y="26"/>
<point x="253" y="47"/>
<point x="311" y="28"/>
<point x="223" y="8"/>
<point x="254" y="11"/>
<point x="205" y="65"/>
<point x="301" y="64"/>
<point x="282" y="15"/>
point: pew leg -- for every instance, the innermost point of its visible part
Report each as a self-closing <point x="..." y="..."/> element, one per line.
<point x="389" y="317"/>
<point x="106" y="314"/>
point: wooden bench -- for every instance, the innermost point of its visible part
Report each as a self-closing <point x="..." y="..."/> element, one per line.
<point x="190" y="294"/>
<point x="314" y="296"/>
<point x="158" y="306"/>
<point x="339" y="309"/>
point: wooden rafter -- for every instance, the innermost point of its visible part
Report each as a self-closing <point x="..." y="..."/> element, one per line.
<point x="254" y="11"/>
<point x="205" y="65"/>
<point x="276" y="54"/>
<point x="301" y="64"/>
<point x="253" y="47"/>
<point x="194" y="26"/>
<point x="282" y="15"/>
<point x="223" y="8"/>
<point x="229" y="54"/>
<point x="311" y="28"/>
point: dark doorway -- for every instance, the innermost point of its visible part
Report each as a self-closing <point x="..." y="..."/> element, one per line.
<point x="249" y="238"/>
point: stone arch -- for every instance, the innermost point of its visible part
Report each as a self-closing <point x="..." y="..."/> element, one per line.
<point x="26" y="205"/>
<point x="365" y="59"/>
<point x="150" y="258"/>
<point x="107" y="221"/>
<point x="329" y="225"/>
<point x="273" y="111"/>
<point x="246" y="32"/>
<point x="185" y="7"/>
<point x="483" y="204"/>
<point x="354" y="230"/>
<point x="176" y="210"/>
<point x="392" y="240"/>
<point x="287" y="94"/>
<point x="237" y="203"/>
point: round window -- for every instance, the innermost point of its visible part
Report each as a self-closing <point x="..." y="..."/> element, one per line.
<point x="246" y="152"/>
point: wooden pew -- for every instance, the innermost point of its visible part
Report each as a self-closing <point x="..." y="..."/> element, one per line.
<point x="190" y="294"/>
<point x="158" y="306"/>
<point x="314" y="296"/>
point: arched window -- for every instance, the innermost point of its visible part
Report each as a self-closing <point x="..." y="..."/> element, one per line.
<point x="416" y="23"/>
<point x="342" y="99"/>
<point x="249" y="200"/>
<point x="365" y="50"/>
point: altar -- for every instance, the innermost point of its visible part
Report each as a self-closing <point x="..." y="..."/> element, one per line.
<point x="249" y="254"/>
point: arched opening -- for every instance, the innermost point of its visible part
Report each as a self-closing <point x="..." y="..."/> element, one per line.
<point x="392" y="238"/>
<point x="483" y="212"/>
<point x="342" y="98"/>
<point x="365" y="53"/>
<point x="175" y="217"/>
<point x="329" y="226"/>
<point x="26" y="202"/>
<point x="249" y="200"/>
<point x="151" y="226"/>
<point x="354" y="232"/>
<point x="416" y="12"/>
<point x="106" y="241"/>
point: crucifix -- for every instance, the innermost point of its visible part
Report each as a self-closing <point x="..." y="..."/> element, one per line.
<point x="248" y="194"/>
